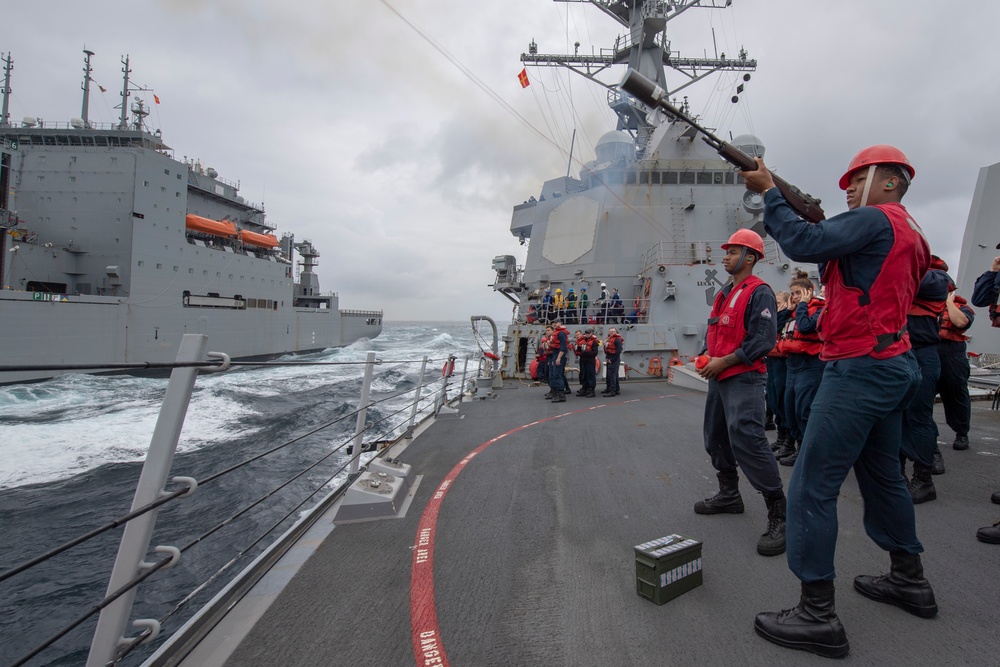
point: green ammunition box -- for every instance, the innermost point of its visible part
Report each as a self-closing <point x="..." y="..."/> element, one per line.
<point x="667" y="567"/>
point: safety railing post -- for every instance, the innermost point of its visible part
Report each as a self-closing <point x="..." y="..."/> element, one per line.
<point x="465" y="371"/>
<point x="152" y="480"/>
<point x="359" y="428"/>
<point x="416" y="399"/>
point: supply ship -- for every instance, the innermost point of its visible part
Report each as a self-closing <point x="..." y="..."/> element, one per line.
<point x="112" y="249"/>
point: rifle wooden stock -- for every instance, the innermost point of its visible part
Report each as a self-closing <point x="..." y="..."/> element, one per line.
<point x="647" y="92"/>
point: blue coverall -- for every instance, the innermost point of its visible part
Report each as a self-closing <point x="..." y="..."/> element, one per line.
<point x="734" y="407"/>
<point x="857" y="414"/>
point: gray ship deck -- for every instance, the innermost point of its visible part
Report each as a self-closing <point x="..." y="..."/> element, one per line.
<point x="534" y="562"/>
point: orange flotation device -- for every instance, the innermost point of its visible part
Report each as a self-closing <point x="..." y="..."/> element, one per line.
<point x="448" y="369"/>
<point x="533" y="369"/>
<point x="655" y="368"/>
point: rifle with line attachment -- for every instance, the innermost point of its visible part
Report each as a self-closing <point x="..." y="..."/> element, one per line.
<point x="646" y="91"/>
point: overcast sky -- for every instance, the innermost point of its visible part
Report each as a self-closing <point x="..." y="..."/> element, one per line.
<point x="399" y="147"/>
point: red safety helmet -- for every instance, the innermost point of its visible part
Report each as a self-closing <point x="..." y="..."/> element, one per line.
<point x="879" y="154"/>
<point x="747" y="238"/>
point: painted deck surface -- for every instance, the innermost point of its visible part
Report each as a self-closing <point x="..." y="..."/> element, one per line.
<point x="533" y="560"/>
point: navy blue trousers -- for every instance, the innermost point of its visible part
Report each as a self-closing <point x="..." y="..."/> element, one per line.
<point x="588" y="373"/>
<point x="920" y="431"/>
<point x="802" y="378"/>
<point x="775" y="391"/>
<point x="953" y="385"/>
<point x="611" y="381"/>
<point x="734" y="431"/>
<point x="856" y="422"/>
<point x="557" y="374"/>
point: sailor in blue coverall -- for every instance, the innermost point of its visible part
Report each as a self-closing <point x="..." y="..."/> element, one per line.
<point x="872" y="259"/>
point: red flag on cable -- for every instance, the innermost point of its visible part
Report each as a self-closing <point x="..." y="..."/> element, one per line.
<point x="155" y="98"/>
<point x="523" y="78"/>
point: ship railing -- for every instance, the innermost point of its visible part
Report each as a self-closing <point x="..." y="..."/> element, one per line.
<point x="343" y="462"/>
<point x="667" y="253"/>
<point x="362" y="313"/>
<point x="533" y="312"/>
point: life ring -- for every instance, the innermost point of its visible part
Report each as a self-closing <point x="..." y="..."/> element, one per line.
<point x="448" y="369"/>
<point x="655" y="369"/>
<point x="598" y="364"/>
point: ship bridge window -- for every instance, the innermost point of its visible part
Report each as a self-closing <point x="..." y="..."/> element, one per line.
<point x="669" y="178"/>
<point x="166" y="171"/>
<point x="687" y="178"/>
<point x="730" y="177"/>
<point x="630" y="178"/>
<point x="705" y="178"/>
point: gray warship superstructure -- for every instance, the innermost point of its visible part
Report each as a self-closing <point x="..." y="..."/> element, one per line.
<point x="979" y="248"/>
<point x="647" y="216"/>
<point x="112" y="249"/>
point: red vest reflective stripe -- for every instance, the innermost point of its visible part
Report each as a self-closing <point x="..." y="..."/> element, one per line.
<point x="948" y="329"/>
<point x="726" y="329"/>
<point x="801" y="343"/>
<point x="856" y="324"/>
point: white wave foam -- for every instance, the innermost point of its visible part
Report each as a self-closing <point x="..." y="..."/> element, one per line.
<point x="53" y="430"/>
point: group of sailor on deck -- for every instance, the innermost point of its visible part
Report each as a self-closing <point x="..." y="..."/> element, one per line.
<point x="553" y="353"/>
<point x="851" y="383"/>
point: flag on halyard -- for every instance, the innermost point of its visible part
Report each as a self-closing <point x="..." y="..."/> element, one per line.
<point x="103" y="89"/>
<point x="523" y="78"/>
<point x="155" y="98"/>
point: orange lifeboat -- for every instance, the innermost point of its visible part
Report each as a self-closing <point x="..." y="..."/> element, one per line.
<point x="222" y="228"/>
<point x="259" y="240"/>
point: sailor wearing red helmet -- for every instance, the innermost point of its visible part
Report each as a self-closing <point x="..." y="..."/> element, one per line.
<point x="872" y="259"/>
<point x="741" y="331"/>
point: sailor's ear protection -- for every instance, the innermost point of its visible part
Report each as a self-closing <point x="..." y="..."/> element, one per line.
<point x="890" y="185"/>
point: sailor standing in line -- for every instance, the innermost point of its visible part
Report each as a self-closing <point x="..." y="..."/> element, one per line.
<point x="804" y="368"/>
<point x="774" y="391"/>
<point x="953" y="385"/>
<point x="920" y="431"/>
<point x="986" y="294"/>
<point x="741" y="331"/>
<point x="613" y="347"/>
<point x="559" y="352"/>
<point x="587" y="347"/>
<point x="873" y="257"/>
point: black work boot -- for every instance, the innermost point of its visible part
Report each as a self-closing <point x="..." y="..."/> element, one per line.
<point x="787" y="448"/>
<point x="550" y="395"/>
<point x="989" y="534"/>
<point x="904" y="586"/>
<point x="559" y="397"/>
<point x="727" y="500"/>
<point x="791" y="458"/>
<point x="961" y="442"/>
<point x="811" y="626"/>
<point x="772" y="542"/>
<point x="922" y="486"/>
<point x="590" y="393"/>
<point x="769" y="421"/>
<point x="938" y="467"/>
<point x="783" y="437"/>
<point x="995" y="498"/>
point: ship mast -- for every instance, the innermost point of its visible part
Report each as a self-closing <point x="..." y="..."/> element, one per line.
<point x="646" y="49"/>
<point x="85" y="110"/>
<point x="123" y="120"/>
<point x="8" y="65"/>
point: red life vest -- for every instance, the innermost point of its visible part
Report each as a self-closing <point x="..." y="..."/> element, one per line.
<point x="928" y="308"/>
<point x="856" y="323"/>
<point x="726" y="329"/>
<point x="948" y="329"/>
<point x="796" y="342"/>
<point x="611" y="346"/>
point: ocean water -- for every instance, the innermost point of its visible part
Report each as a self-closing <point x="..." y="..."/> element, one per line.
<point x="72" y="449"/>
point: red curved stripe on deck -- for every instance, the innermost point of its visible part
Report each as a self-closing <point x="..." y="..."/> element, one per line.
<point x="428" y="649"/>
